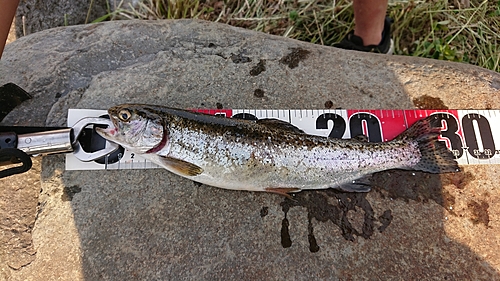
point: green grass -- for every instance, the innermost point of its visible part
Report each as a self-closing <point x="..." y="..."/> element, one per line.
<point x="432" y="29"/>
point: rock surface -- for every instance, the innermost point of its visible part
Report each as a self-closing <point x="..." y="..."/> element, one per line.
<point x="152" y="225"/>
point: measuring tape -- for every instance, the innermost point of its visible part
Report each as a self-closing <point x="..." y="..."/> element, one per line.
<point x="470" y="134"/>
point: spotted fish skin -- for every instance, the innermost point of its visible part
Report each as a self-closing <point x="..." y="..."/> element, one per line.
<point x="268" y="154"/>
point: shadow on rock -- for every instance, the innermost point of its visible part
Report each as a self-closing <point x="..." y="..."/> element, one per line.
<point x="400" y="188"/>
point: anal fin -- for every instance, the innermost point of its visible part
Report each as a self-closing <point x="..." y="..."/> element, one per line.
<point x="282" y="190"/>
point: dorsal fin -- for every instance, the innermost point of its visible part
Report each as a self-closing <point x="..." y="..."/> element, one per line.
<point x="360" y="138"/>
<point x="278" y="124"/>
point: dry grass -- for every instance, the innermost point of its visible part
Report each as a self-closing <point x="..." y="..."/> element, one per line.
<point x="434" y="29"/>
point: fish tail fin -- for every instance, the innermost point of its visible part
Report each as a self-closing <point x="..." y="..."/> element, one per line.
<point x="435" y="156"/>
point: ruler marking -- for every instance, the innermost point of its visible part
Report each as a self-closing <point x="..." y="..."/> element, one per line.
<point x="405" y="119"/>
<point x="477" y="133"/>
<point x="466" y="152"/>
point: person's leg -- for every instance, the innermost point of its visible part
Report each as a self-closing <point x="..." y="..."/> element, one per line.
<point x="7" y="12"/>
<point x="372" y="30"/>
<point x="369" y="16"/>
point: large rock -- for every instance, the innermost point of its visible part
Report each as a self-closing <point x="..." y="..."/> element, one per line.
<point x="152" y="225"/>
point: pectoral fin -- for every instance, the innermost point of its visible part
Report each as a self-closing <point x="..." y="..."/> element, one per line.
<point x="357" y="185"/>
<point x="182" y="167"/>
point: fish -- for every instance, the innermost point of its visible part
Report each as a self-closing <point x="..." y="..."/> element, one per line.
<point x="269" y="154"/>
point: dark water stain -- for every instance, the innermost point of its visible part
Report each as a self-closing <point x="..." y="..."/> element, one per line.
<point x="259" y="68"/>
<point x="286" y="242"/>
<point x="479" y="212"/>
<point x="331" y="205"/>
<point x="459" y="180"/>
<point x="259" y="93"/>
<point x="385" y="219"/>
<point x="219" y="105"/>
<point x="69" y="192"/>
<point x="313" y="244"/>
<point x="428" y="102"/>
<point x="221" y="55"/>
<point x="328" y="104"/>
<point x="264" y="211"/>
<point x="239" y="58"/>
<point x="294" y="57"/>
<point x="495" y="83"/>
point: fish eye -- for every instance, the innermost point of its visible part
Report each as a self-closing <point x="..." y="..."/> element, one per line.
<point x="124" y="115"/>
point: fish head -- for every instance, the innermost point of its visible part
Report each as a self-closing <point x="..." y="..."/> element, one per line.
<point x="135" y="127"/>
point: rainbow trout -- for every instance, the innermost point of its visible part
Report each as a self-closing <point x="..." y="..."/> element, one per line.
<point x="269" y="154"/>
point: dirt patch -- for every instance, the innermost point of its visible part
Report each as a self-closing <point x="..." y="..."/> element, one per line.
<point x="18" y="204"/>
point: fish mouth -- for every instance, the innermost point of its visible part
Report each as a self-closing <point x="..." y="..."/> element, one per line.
<point x="109" y="132"/>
